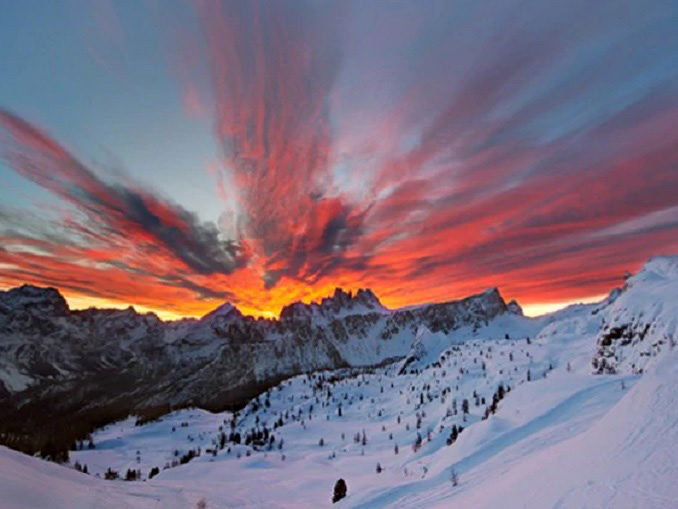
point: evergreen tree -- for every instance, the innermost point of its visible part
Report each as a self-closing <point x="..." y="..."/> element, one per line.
<point x="417" y="443"/>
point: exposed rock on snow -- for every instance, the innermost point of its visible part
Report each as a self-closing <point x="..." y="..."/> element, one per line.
<point x="639" y="321"/>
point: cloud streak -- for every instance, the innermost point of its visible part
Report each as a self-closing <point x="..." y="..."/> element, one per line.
<point x="114" y="223"/>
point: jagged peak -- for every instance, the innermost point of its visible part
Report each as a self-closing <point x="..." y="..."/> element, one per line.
<point x="515" y="308"/>
<point x="339" y="301"/>
<point x="226" y="310"/>
<point x="490" y="297"/>
<point x="343" y="299"/>
<point x="340" y="293"/>
<point x="366" y="295"/>
<point x="492" y="292"/>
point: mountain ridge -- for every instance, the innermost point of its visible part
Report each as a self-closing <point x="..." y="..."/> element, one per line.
<point x="99" y="365"/>
<point x="30" y="294"/>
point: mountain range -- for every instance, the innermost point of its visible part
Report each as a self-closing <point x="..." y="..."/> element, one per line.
<point x="65" y="372"/>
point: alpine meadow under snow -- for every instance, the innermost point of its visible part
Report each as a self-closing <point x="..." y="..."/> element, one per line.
<point x="572" y="409"/>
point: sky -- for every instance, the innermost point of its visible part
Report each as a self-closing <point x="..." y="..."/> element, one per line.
<point x="174" y="155"/>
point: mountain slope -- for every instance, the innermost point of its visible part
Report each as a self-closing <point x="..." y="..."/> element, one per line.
<point x="27" y="482"/>
<point x="628" y="458"/>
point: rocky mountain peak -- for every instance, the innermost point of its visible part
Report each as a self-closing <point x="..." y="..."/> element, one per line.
<point x="491" y="295"/>
<point x="368" y="298"/>
<point x="341" y="300"/>
<point x="224" y="312"/>
<point x="490" y="302"/>
<point x="34" y="299"/>
<point x="514" y="307"/>
<point x="296" y="311"/>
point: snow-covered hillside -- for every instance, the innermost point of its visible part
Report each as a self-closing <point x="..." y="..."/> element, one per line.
<point x="567" y="440"/>
<point x="27" y="482"/>
<point x="516" y="409"/>
<point x="640" y="320"/>
<point x="626" y="458"/>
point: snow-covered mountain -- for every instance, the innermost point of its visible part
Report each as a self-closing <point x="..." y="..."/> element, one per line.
<point x="518" y="407"/>
<point x="104" y="364"/>
<point x="44" y="341"/>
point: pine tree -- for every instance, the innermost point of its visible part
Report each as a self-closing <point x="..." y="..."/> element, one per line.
<point x="417" y="443"/>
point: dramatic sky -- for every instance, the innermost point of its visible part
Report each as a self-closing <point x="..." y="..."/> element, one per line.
<point x="173" y="155"/>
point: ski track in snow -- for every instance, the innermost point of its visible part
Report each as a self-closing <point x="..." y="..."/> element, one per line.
<point x="565" y="420"/>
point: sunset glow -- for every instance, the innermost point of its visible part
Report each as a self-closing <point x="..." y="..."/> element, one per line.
<point x="262" y="153"/>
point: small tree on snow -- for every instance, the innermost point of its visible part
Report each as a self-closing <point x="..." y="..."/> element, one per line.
<point x="417" y="443"/>
<point x="454" y="478"/>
